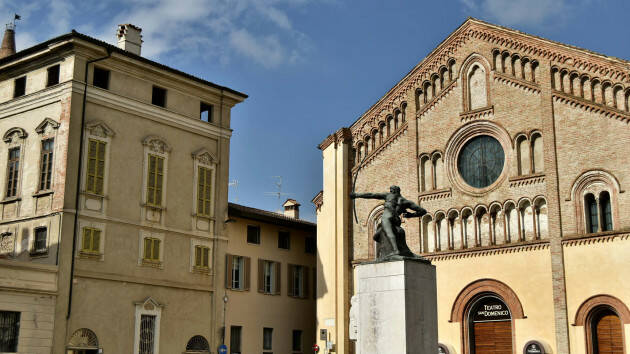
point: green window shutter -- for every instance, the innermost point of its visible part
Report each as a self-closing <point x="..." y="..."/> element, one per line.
<point x="96" y="240"/>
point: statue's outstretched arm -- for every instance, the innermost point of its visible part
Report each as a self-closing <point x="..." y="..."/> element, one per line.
<point x="368" y="195"/>
<point x="419" y="211"/>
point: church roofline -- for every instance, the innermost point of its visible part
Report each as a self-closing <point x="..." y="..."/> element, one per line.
<point x="471" y="21"/>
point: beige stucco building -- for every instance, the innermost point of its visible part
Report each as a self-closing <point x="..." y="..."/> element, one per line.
<point x="270" y="285"/>
<point x="113" y="200"/>
<point x="517" y="147"/>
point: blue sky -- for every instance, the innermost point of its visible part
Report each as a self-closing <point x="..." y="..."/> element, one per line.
<point x="309" y="66"/>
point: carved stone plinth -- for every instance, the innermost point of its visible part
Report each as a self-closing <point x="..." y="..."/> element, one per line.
<point x="395" y="308"/>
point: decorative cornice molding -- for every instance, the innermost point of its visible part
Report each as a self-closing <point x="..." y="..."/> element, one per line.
<point x="524" y="246"/>
<point x="318" y="200"/>
<point x="435" y="194"/>
<point x="606" y="111"/>
<point x="501" y="36"/>
<point x="520" y="181"/>
<point x="481" y="113"/>
<point x="600" y="237"/>
<point x="435" y="100"/>
<point x="342" y="135"/>
<point x="387" y="142"/>
<point x="516" y="82"/>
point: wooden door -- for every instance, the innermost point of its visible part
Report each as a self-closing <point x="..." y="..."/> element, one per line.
<point x="492" y="337"/>
<point x="607" y="334"/>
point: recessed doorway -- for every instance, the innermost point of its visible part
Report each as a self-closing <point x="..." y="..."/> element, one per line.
<point x="490" y="326"/>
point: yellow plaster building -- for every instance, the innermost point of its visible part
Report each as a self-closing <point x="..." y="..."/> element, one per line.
<point x="113" y="200"/>
<point x="270" y="302"/>
<point x="516" y="145"/>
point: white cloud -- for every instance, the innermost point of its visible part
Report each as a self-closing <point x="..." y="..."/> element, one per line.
<point x="520" y="12"/>
<point x="59" y="15"/>
<point x="265" y="50"/>
<point x="24" y="40"/>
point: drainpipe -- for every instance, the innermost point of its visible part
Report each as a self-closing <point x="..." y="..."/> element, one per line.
<point x="79" y="173"/>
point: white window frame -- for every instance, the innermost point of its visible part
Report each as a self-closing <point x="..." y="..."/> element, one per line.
<point x="194" y="242"/>
<point x="206" y="159"/>
<point x="269" y="268"/>
<point x="154" y="145"/>
<point x="300" y="284"/>
<point x="152" y="308"/>
<point x="47" y="129"/>
<point x="96" y="130"/>
<point x="146" y="234"/>
<point x="101" y="247"/>
<point x="14" y="138"/>
<point x="241" y="277"/>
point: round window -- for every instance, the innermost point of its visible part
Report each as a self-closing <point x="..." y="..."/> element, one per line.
<point x="480" y="161"/>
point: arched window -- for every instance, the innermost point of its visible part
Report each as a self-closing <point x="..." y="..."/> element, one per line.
<point x="83" y="341"/>
<point x="441" y="239"/>
<point x="538" y="162"/>
<point x="359" y="151"/>
<point x="428" y="244"/>
<point x="483" y="227"/>
<point x="477" y="94"/>
<point x="526" y="220"/>
<point x="419" y="98"/>
<point x="455" y="237"/>
<point x="397" y="117"/>
<point x="468" y="232"/>
<point x="496" y="225"/>
<point x="381" y="131"/>
<point x="511" y="223"/>
<point x="540" y="209"/>
<point x="438" y="172"/>
<point x="389" y="120"/>
<point x="197" y="344"/>
<point x="425" y="174"/>
<point x="590" y="207"/>
<point x="605" y="211"/>
<point x="603" y="318"/>
<point x="523" y="155"/>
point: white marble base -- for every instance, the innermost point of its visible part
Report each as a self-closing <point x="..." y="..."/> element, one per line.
<point x="395" y="308"/>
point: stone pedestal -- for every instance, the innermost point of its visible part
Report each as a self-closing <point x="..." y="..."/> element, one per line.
<point x="395" y="308"/>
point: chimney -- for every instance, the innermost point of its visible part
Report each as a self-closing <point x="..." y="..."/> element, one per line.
<point x="292" y="208"/>
<point x="129" y="38"/>
<point x="8" y="41"/>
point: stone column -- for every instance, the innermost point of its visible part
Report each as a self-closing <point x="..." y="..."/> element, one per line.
<point x="397" y="308"/>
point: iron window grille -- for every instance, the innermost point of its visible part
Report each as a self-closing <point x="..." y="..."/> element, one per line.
<point x="9" y="331"/>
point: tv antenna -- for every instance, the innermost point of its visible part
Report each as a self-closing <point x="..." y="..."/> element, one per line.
<point x="234" y="183"/>
<point x="279" y="193"/>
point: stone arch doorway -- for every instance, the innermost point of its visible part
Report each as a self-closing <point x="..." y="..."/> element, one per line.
<point x="486" y="292"/>
<point x="490" y="326"/>
<point x="603" y="317"/>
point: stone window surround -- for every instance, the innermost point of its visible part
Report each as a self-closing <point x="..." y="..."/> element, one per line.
<point x="459" y="139"/>
<point x="147" y="307"/>
<point x="206" y="159"/>
<point x="96" y="225"/>
<point x="96" y="130"/>
<point x="46" y="133"/>
<point x="467" y="65"/>
<point x="147" y="234"/>
<point x="530" y="138"/>
<point x="200" y="242"/>
<point x="154" y="145"/>
<point x="594" y="182"/>
<point x="19" y="141"/>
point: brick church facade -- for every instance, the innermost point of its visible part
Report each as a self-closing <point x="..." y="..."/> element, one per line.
<point x="517" y="146"/>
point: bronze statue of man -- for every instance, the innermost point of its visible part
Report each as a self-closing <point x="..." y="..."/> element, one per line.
<point x="395" y="205"/>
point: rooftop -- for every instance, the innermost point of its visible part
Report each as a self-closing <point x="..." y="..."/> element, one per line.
<point x="112" y="49"/>
<point x="246" y="212"/>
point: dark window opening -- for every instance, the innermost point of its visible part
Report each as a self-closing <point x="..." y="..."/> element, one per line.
<point x="53" y="75"/>
<point x="235" y="339"/>
<point x="297" y="341"/>
<point x="20" y="87"/>
<point x="310" y="245"/>
<point x="40" y="244"/>
<point x="46" y="164"/>
<point x="9" y="330"/>
<point x="101" y="78"/>
<point x="592" y="218"/>
<point x="13" y="172"/>
<point x="284" y="240"/>
<point x="253" y="234"/>
<point x="206" y="112"/>
<point x="267" y="338"/>
<point x="159" y="96"/>
<point x="606" y="211"/>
